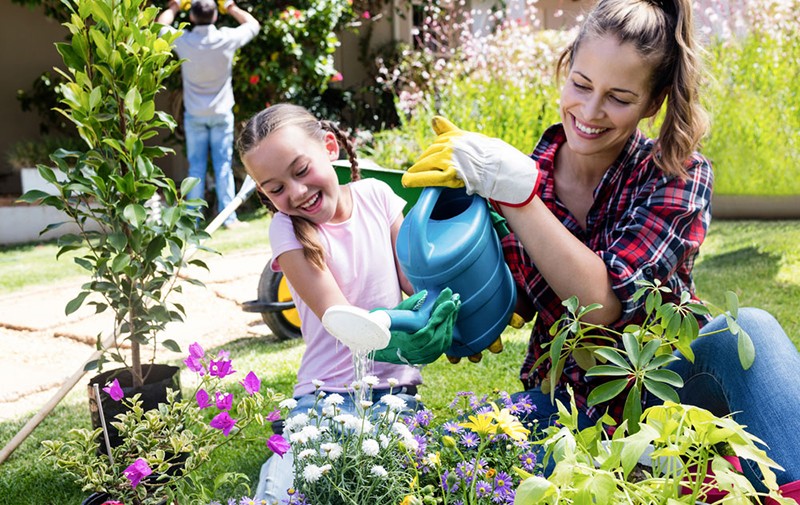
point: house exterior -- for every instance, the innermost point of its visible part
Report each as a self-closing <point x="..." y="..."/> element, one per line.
<point x="28" y="37"/>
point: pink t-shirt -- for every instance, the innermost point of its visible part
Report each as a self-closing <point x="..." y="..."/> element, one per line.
<point x="360" y="256"/>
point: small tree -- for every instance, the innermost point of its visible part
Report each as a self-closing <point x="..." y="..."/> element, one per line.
<point x="116" y="64"/>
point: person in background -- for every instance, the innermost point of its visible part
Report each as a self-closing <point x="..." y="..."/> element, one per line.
<point x="335" y="245"/>
<point x="207" y="92"/>
<point x="598" y="206"/>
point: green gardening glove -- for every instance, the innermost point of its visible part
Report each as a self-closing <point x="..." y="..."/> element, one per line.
<point x="428" y="343"/>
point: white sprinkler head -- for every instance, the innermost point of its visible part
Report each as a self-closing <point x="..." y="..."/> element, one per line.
<point x="358" y="329"/>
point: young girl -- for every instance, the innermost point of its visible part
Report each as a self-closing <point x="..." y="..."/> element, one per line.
<point x="335" y="246"/>
<point x="598" y="206"/>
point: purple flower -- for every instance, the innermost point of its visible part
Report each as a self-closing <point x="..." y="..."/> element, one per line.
<point x="528" y="461"/>
<point x="114" y="391"/>
<point x="502" y="483"/>
<point x="274" y="415"/>
<point x="483" y="489"/>
<point x="469" y="440"/>
<point x="224" y="401"/>
<point x="137" y="471"/>
<point x="202" y="399"/>
<point x="278" y="445"/>
<point x="251" y="383"/>
<point x="224" y="422"/>
<point x="193" y="361"/>
<point x="423" y="417"/>
<point x="452" y="427"/>
<point x="220" y="368"/>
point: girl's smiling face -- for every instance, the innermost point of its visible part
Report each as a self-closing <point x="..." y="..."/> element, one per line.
<point x="606" y="94"/>
<point x="295" y="172"/>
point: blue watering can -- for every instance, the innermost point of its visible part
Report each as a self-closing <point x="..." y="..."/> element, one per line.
<point x="447" y="240"/>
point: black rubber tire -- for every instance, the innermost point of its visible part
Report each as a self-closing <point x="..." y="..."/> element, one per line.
<point x="268" y="287"/>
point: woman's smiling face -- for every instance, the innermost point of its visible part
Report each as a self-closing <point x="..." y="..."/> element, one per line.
<point x="295" y="172"/>
<point x="606" y="94"/>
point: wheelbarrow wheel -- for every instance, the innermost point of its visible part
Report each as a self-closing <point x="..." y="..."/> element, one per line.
<point x="272" y="287"/>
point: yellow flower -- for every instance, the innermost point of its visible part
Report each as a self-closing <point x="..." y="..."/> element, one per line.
<point x="480" y="424"/>
<point x="509" y="424"/>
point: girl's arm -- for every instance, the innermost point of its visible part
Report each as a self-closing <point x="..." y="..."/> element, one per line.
<point x="568" y="266"/>
<point x="405" y="285"/>
<point x="316" y="287"/>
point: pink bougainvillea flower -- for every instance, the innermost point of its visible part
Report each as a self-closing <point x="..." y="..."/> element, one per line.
<point x="220" y="368"/>
<point x="338" y="77"/>
<point x="196" y="350"/>
<point x="137" y="471"/>
<point x="114" y="391"/>
<point x="251" y="383"/>
<point x="223" y="421"/>
<point x="202" y="399"/>
<point x="224" y="401"/>
<point x="274" y="415"/>
<point x="112" y="502"/>
<point x="278" y="445"/>
<point x="254" y="79"/>
<point x="366" y="15"/>
<point x="194" y="361"/>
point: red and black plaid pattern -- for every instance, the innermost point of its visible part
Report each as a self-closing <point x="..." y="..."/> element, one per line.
<point x="644" y="224"/>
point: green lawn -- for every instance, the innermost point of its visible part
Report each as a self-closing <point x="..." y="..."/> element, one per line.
<point x="760" y="261"/>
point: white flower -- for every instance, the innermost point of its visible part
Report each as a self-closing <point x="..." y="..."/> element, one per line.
<point x="371" y="380"/>
<point x="318" y="383"/>
<point x="334" y="399"/>
<point x="347" y="420"/>
<point x="304" y="436"/>
<point x="295" y="422"/>
<point x="288" y="404"/>
<point x="370" y="447"/>
<point x="322" y="394"/>
<point x="365" y="404"/>
<point x="307" y="453"/>
<point x="378" y="471"/>
<point x="334" y="450"/>
<point x="395" y="403"/>
<point x="312" y="473"/>
<point x="384" y="440"/>
<point x="329" y="410"/>
<point x="393" y="382"/>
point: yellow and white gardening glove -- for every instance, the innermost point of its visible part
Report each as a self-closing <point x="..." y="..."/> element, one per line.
<point x="484" y="165"/>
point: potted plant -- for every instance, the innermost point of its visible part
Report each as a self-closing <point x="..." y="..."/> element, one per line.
<point x="162" y="449"/>
<point x="25" y="155"/>
<point x="142" y="230"/>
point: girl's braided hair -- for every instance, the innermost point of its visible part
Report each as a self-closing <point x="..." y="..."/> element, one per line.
<point x="278" y="116"/>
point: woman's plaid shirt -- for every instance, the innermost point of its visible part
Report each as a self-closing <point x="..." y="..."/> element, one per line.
<point x="644" y="224"/>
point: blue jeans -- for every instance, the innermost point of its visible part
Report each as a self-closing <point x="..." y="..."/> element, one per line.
<point x="211" y="134"/>
<point x="277" y="473"/>
<point x="764" y="398"/>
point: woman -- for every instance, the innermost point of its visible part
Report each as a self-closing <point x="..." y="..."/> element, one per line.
<point x="598" y="206"/>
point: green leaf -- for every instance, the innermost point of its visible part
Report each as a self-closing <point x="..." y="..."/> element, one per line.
<point x="76" y="302"/>
<point x="536" y="490"/>
<point x="613" y="356"/>
<point x="607" y="370"/>
<point x="171" y="345"/>
<point x="732" y="303"/>
<point x="118" y="241"/>
<point x="132" y="101"/>
<point x="747" y="352"/>
<point x="662" y="390"/>
<point x="135" y="214"/>
<point x="606" y="391"/>
<point x="632" y="411"/>
<point x="33" y="196"/>
<point x="631" y="345"/>
<point x="648" y="351"/>
<point x="121" y="261"/>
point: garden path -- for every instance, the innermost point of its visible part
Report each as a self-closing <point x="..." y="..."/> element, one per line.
<point x="41" y="347"/>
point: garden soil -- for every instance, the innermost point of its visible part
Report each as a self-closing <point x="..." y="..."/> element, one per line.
<point x="41" y="347"/>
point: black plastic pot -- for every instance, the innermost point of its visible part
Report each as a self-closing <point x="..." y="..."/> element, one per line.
<point x="100" y="498"/>
<point x="158" y="380"/>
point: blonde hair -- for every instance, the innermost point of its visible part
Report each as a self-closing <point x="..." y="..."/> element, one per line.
<point x="662" y="31"/>
<point x="281" y="115"/>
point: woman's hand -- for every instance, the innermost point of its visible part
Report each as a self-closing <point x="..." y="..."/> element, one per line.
<point x="484" y="165"/>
